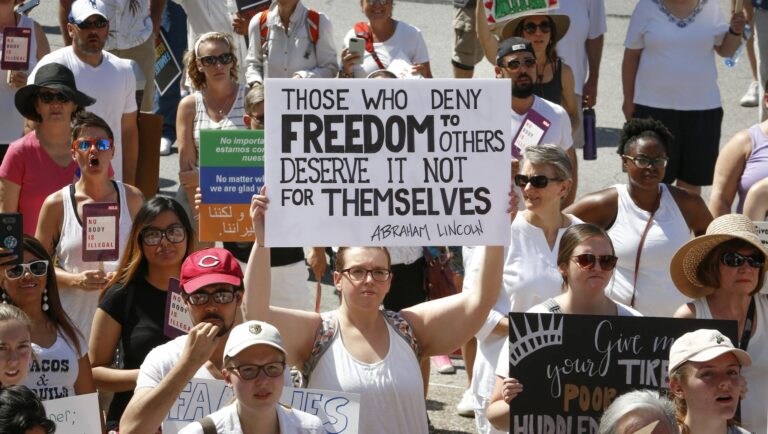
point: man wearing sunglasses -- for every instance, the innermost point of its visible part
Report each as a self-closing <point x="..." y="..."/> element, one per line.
<point x="212" y="287"/>
<point x="105" y="77"/>
<point x="516" y="60"/>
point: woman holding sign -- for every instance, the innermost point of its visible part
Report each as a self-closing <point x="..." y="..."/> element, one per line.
<point x="723" y="271"/>
<point x="60" y="227"/>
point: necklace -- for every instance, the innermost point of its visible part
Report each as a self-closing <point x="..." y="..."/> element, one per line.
<point x="226" y="104"/>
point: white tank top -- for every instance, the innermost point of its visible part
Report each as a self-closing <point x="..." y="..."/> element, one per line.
<point x="753" y="414"/>
<point x="79" y="304"/>
<point x="391" y="390"/>
<point x="655" y="295"/>
<point x="231" y="121"/>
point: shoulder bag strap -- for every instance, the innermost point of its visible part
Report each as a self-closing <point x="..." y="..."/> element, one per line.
<point x="363" y="30"/>
<point x="640" y="246"/>
<point x="209" y="426"/>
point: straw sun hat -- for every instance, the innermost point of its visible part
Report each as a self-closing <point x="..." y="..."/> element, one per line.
<point x="687" y="259"/>
<point x="562" y="23"/>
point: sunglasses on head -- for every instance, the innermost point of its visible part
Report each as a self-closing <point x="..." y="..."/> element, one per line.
<point x="735" y="260"/>
<point x="587" y="261"/>
<point x="379" y="2"/>
<point x="224" y="59"/>
<point x="544" y="26"/>
<point x="644" y="162"/>
<point x="98" y="23"/>
<point x="515" y="64"/>
<point x="85" y="145"/>
<point x="49" y="97"/>
<point x="35" y="268"/>
<point x="538" y="181"/>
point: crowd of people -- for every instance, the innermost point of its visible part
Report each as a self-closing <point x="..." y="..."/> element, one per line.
<point x="651" y="246"/>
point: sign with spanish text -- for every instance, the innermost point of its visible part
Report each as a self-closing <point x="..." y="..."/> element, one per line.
<point x="177" y="320"/>
<point x="387" y="162"/>
<point x="573" y="366"/>
<point x="16" y="47"/>
<point x="231" y="172"/>
<point x="100" y="232"/>
<point x="499" y="11"/>
<point x="167" y="68"/>
<point x="75" y="415"/>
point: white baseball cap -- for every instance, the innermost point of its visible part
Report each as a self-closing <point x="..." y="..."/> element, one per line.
<point x="252" y="333"/>
<point x="701" y="346"/>
<point x="82" y="9"/>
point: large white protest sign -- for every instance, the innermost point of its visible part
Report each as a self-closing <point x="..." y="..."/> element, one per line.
<point x="340" y="412"/>
<point x="75" y="415"/>
<point x="387" y="162"/>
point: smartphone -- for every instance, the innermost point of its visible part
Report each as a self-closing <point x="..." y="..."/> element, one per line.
<point x="11" y="235"/>
<point x="357" y="46"/>
<point x="27" y="6"/>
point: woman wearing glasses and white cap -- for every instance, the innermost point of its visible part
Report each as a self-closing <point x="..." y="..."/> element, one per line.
<point x="60" y="227"/>
<point x="646" y="219"/>
<point x="254" y="364"/>
<point x="723" y="272"/>
<point x="705" y="382"/>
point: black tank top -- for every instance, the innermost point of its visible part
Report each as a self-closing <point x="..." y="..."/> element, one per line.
<point x="552" y="90"/>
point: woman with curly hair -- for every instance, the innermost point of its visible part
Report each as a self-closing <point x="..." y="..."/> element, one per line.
<point x="646" y="219"/>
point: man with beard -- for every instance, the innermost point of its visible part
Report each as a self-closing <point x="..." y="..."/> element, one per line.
<point x="516" y="60"/>
<point x="103" y="76"/>
<point x="212" y="287"/>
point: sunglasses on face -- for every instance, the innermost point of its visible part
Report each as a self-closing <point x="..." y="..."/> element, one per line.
<point x="587" y="261"/>
<point x="224" y="59"/>
<point x="98" y="23"/>
<point x="360" y="274"/>
<point x="645" y="162"/>
<point x="515" y="64"/>
<point x="530" y="28"/>
<point x="153" y="236"/>
<point x="736" y="260"/>
<point x="251" y="371"/>
<point x="85" y="145"/>
<point x="201" y="298"/>
<point x="49" y="97"/>
<point x="35" y="268"/>
<point x="538" y="181"/>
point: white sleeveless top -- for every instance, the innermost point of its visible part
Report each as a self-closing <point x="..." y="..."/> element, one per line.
<point x="79" y="304"/>
<point x="231" y="121"/>
<point x="656" y="295"/>
<point x="391" y="390"/>
<point x="11" y="121"/>
<point x="753" y="414"/>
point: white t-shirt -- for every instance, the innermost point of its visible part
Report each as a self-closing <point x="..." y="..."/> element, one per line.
<point x="587" y="22"/>
<point x="54" y="370"/>
<point x="291" y="421"/>
<point x="129" y="23"/>
<point x="622" y="310"/>
<point x="406" y="44"/>
<point x="161" y="360"/>
<point x="559" y="132"/>
<point x="677" y="67"/>
<point x="112" y="84"/>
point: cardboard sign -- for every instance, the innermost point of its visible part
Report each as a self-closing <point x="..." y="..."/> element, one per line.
<point x="573" y="366"/>
<point x="249" y="8"/>
<point x="531" y="132"/>
<point x="387" y="162"/>
<point x="167" y="68"/>
<point x="340" y="412"/>
<point x="177" y="320"/>
<point x="499" y="11"/>
<point x="75" y="415"/>
<point x="16" y="46"/>
<point x="231" y="172"/>
<point x="762" y="232"/>
<point x="100" y="232"/>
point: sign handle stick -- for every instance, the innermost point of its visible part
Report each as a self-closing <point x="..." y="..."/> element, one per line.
<point x="101" y="266"/>
<point x="318" y="294"/>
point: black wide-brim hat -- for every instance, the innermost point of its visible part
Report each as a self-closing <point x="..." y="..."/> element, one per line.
<point x="53" y="76"/>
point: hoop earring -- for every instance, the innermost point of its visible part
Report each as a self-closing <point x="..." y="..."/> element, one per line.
<point x="45" y="306"/>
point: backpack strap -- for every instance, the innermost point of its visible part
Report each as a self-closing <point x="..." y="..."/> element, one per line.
<point x="263" y="30"/>
<point x="325" y="333"/>
<point x="209" y="426"/>
<point x="363" y="31"/>
<point x="404" y="329"/>
<point x="313" y="25"/>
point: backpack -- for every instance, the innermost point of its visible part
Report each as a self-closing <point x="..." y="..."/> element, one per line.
<point x="363" y="31"/>
<point x="313" y="29"/>
<point x="329" y="327"/>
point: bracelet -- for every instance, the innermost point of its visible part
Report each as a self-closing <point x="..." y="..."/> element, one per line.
<point x="730" y="30"/>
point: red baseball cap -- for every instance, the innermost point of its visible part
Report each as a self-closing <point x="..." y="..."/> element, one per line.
<point x="207" y="267"/>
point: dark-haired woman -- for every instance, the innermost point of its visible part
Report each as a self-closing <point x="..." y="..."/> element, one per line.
<point x="22" y="413"/>
<point x="132" y="310"/>
<point x="60" y="228"/>
<point x="61" y="367"/>
<point x="646" y="219"/>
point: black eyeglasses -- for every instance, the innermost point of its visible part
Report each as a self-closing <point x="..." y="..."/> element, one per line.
<point x="49" y="97"/>
<point x="251" y="371"/>
<point x="35" y="268"/>
<point x="85" y="145"/>
<point x="515" y="64"/>
<point x="530" y="28"/>
<point x="538" y="181"/>
<point x="98" y="23"/>
<point x="201" y="298"/>
<point x="645" y="162"/>
<point x="153" y="236"/>
<point x="587" y="261"/>
<point x="735" y="260"/>
<point x="224" y="59"/>
<point x="359" y="274"/>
